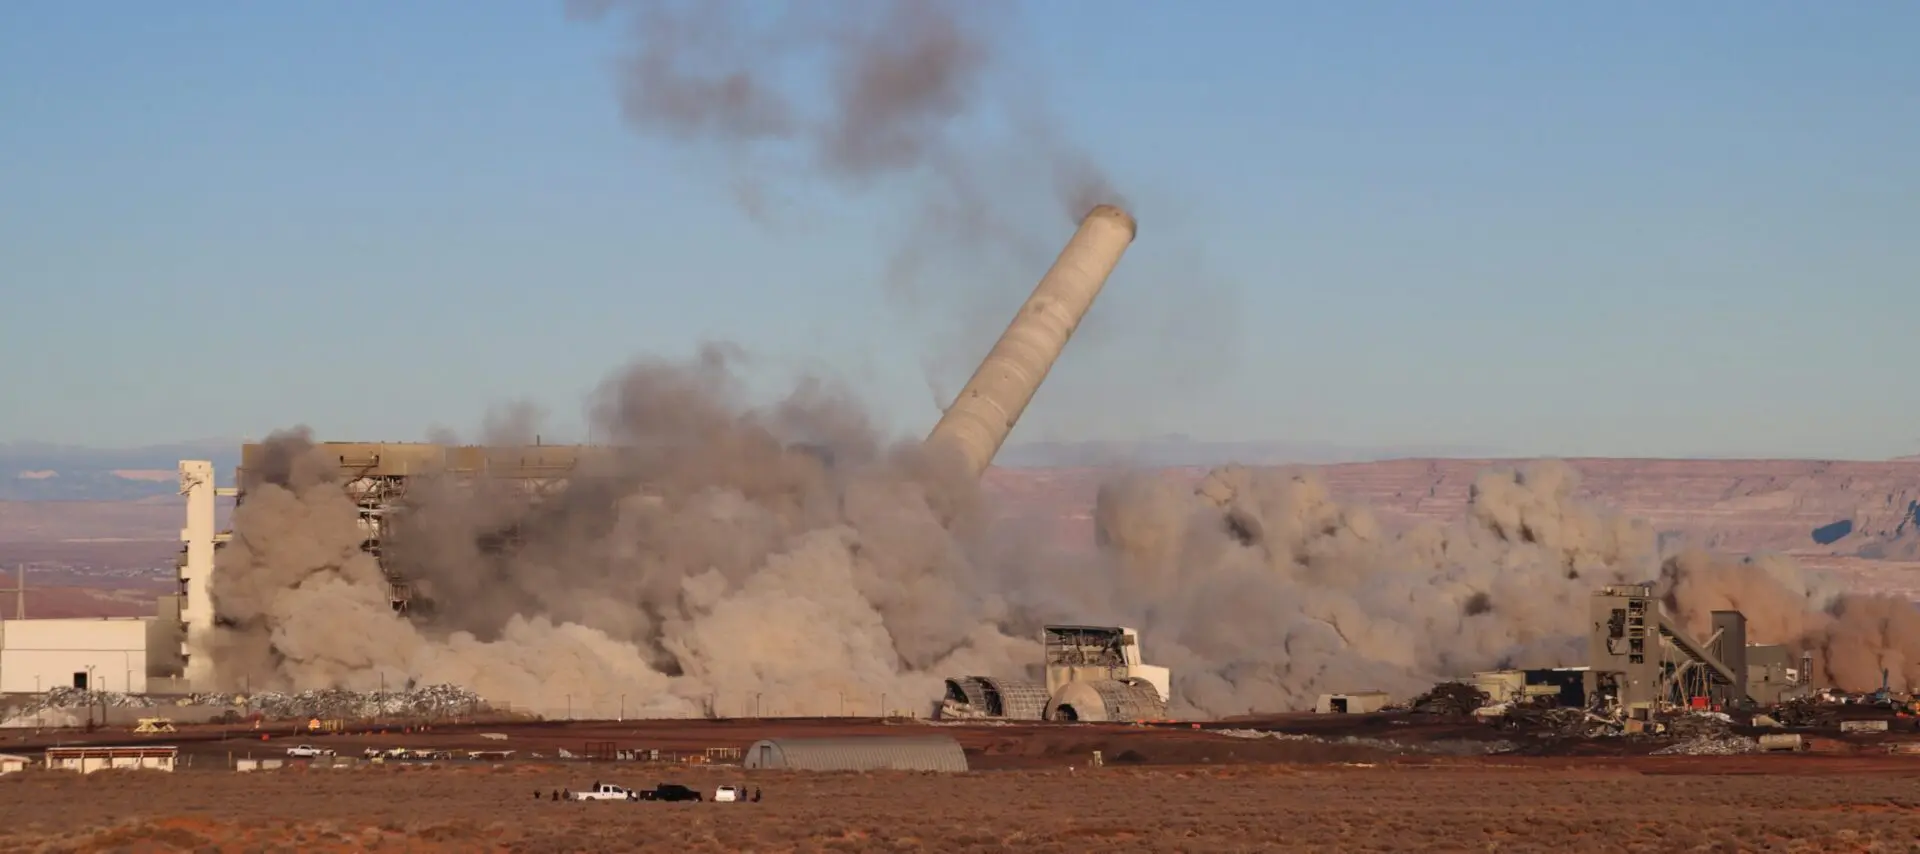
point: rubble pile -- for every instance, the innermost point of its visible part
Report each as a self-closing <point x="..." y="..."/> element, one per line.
<point x="341" y="704"/>
<point x="1711" y="745"/>
<point x="1445" y="747"/>
<point x="1558" y="721"/>
<point x="1699" y="725"/>
<point x="75" y="698"/>
<point x="1804" y="712"/>
<point x="1449" y="698"/>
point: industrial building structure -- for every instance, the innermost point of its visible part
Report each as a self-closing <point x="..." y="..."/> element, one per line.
<point x="1353" y="703"/>
<point x="858" y="753"/>
<point x="981" y="417"/>
<point x="123" y="654"/>
<point x="1640" y="659"/>
<point x="89" y="759"/>
<point x="1092" y="673"/>
<point x="135" y="655"/>
<point x="376" y="476"/>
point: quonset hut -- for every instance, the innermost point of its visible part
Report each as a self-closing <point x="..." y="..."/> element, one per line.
<point x="869" y="753"/>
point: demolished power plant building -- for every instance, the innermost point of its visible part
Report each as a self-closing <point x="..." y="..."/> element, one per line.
<point x="1638" y="656"/>
<point x="377" y="476"/>
<point x="1640" y="660"/>
<point x="1093" y="674"/>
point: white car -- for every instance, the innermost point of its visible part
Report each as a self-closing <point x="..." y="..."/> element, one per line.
<point x="729" y="794"/>
<point x="605" y="792"/>
<point x="307" y="751"/>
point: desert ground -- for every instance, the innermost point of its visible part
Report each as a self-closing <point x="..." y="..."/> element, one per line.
<point x="1281" y="807"/>
<point x="1161" y="788"/>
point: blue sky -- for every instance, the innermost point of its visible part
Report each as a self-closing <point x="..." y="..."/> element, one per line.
<point x="1597" y="229"/>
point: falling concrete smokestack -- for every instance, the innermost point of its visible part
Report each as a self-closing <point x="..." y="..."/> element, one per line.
<point x="977" y="423"/>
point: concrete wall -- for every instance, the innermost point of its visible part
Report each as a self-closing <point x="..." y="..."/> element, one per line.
<point x="39" y="655"/>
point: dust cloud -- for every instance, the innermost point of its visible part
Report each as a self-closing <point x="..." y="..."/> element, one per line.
<point x="923" y="107"/>
<point x="717" y="557"/>
<point x="721" y="557"/>
<point x="857" y="93"/>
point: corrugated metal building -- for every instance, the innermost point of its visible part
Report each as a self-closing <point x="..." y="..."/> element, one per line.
<point x="1353" y="703"/>
<point x="859" y="753"/>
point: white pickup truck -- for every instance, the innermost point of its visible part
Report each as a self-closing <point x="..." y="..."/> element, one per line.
<point x="605" y="792"/>
<point x="307" y="751"/>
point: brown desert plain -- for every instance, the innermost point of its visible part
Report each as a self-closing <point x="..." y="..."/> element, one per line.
<point x="1385" y="807"/>
<point x="1167" y="788"/>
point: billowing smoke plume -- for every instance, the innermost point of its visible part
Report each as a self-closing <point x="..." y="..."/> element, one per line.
<point x="1261" y="591"/>
<point x="1852" y="637"/>
<point x="716" y="558"/>
<point x="903" y="87"/>
<point x="917" y="105"/>
<point x="718" y="555"/>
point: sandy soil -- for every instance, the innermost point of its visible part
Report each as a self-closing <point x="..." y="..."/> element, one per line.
<point x="1242" y="808"/>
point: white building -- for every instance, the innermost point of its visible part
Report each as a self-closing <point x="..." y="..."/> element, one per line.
<point x="199" y="540"/>
<point x="1352" y="703"/>
<point x="136" y="655"/>
<point x="95" y="653"/>
<point x="87" y="760"/>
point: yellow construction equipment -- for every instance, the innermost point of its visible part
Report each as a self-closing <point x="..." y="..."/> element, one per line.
<point x="154" y="726"/>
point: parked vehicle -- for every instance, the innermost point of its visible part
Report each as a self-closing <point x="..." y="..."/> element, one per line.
<point x="605" y="792"/>
<point x="728" y="795"/>
<point x="670" y="792"/>
<point x="307" y="751"/>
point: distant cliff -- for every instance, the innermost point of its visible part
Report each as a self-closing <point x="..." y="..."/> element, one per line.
<point x="1805" y="507"/>
<point x="39" y="471"/>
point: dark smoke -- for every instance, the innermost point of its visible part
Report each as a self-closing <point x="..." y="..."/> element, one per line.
<point x="719" y="553"/>
<point x="714" y="553"/>
<point x="903" y="85"/>
<point x="911" y="102"/>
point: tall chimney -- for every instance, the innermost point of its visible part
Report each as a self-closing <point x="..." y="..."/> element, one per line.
<point x="977" y="423"/>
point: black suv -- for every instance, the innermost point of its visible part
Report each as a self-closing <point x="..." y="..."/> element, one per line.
<point x="670" y="792"/>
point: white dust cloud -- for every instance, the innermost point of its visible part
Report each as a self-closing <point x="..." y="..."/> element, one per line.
<point x="720" y="555"/>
